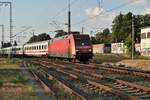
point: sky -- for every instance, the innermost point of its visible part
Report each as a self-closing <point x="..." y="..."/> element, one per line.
<point x="46" y="16"/>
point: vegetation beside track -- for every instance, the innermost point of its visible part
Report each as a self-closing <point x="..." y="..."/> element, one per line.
<point x="13" y="85"/>
<point x="8" y="64"/>
<point x="101" y="58"/>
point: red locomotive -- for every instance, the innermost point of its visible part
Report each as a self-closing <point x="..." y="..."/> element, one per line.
<point x="73" y="46"/>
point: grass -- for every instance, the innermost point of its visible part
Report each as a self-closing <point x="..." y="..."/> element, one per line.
<point x="101" y="58"/>
<point x="8" y="64"/>
<point x="60" y="92"/>
<point x="12" y="82"/>
<point x="143" y="57"/>
<point x="113" y="58"/>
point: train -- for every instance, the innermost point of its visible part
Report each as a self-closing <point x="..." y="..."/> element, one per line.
<point x="74" y="46"/>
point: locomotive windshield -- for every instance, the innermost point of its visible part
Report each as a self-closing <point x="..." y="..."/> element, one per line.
<point x="82" y="39"/>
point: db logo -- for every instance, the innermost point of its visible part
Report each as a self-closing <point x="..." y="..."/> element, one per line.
<point x="82" y="44"/>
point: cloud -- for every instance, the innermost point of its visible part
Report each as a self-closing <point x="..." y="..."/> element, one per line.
<point x="94" y="11"/>
<point x="147" y="10"/>
<point x="138" y="2"/>
<point x="103" y="19"/>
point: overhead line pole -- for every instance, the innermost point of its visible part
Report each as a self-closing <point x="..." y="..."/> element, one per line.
<point x="132" y="37"/>
<point x="10" y="20"/>
<point x="11" y="38"/>
<point x="2" y="34"/>
<point x="69" y="18"/>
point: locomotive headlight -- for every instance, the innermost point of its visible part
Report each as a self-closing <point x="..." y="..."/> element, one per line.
<point x="90" y="49"/>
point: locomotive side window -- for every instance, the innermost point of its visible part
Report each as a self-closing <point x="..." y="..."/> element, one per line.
<point x="143" y="35"/>
<point x="148" y="35"/>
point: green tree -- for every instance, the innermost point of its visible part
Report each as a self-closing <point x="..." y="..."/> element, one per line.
<point x="40" y="37"/>
<point x="8" y="44"/>
<point x="60" y="33"/>
<point x="106" y="32"/>
<point x="104" y="37"/>
<point x="122" y="26"/>
<point x="128" y="45"/>
<point x="43" y="37"/>
<point x="93" y="39"/>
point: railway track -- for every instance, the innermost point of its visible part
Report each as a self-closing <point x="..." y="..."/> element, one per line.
<point x="131" y="75"/>
<point x="123" y="88"/>
<point x="47" y="81"/>
<point x="121" y="70"/>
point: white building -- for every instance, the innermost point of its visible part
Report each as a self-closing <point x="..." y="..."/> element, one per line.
<point x="145" y="41"/>
<point x="118" y="48"/>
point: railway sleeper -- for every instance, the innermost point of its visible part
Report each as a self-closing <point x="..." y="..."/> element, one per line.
<point x="141" y="93"/>
<point x="146" y="97"/>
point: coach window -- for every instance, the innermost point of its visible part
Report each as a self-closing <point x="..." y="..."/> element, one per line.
<point x="42" y="47"/>
<point x="148" y="35"/>
<point x="45" y="47"/>
<point x="143" y="35"/>
<point x="39" y="47"/>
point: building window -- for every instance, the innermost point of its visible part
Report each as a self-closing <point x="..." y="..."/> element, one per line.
<point x="143" y="36"/>
<point x="148" y="35"/>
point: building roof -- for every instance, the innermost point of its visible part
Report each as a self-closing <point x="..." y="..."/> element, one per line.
<point x="145" y="27"/>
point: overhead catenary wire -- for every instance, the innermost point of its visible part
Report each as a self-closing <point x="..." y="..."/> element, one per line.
<point x="107" y="11"/>
<point x="63" y="9"/>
